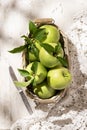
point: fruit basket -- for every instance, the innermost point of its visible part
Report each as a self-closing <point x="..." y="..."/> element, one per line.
<point x="63" y="39"/>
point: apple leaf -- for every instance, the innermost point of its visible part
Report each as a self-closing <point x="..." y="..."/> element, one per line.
<point x="34" y="67"/>
<point x="57" y="48"/>
<point x="24" y="73"/>
<point x="37" y="33"/>
<point x="23" y="84"/>
<point x="27" y="39"/>
<point x="63" y="61"/>
<point x="34" y="50"/>
<point x="48" y="48"/>
<point x="40" y="35"/>
<point x="32" y="27"/>
<point x="18" y="49"/>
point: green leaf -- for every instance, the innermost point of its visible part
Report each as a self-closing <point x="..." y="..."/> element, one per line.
<point x="34" y="67"/>
<point x="40" y="35"/>
<point x="34" y="50"/>
<point x="32" y="27"/>
<point x="27" y="39"/>
<point x="63" y="61"/>
<point x="48" y="48"/>
<point x="23" y="72"/>
<point x="18" y="49"/>
<point x="23" y="84"/>
<point x="57" y="48"/>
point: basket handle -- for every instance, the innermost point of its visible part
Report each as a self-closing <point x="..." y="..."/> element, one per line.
<point x="44" y="21"/>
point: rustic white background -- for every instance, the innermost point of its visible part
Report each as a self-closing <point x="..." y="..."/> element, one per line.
<point x="71" y="17"/>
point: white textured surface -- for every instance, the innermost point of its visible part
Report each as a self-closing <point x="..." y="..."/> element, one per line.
<point x="71" y="112"/>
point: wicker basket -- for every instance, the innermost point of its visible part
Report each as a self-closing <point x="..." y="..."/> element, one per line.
<point x="64" y="41"/>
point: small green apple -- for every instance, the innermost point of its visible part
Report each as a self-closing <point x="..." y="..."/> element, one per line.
<point x="38" y="71"/>
<point x="48" y="59"/>
<point x="43" y="90"/>
<point x="59" y="78"/>
<point x="53" y="34"/>
<point x="32" y="57"/>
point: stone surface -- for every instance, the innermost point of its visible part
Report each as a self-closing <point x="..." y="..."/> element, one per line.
<point x="71" y="112"/>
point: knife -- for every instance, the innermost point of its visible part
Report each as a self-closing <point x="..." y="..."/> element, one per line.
<point x="24" y="98"/>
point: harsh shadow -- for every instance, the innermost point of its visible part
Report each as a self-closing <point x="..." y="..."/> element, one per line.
<point x="76" y="97"/>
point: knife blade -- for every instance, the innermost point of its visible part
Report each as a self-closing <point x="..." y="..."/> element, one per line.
<point x="23" y="96"/>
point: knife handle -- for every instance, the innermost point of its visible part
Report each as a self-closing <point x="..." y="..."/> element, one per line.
<point x="26" y="102"/>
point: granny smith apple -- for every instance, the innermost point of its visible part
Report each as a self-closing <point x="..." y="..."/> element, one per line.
<point x="53" y="34"/>
<point x="32" y="57"/>
<point x="39" y="72"/>
<point x="43" y="90"/>
<point x="59" y="78"/>
<point x="49" y="60"/>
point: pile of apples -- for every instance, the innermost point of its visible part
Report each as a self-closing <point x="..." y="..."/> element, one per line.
<point x="47" y="69"/>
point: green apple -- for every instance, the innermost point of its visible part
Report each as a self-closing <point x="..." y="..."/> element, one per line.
<point x="32" y="57"/>
<point x="49" y="60"/>
<point x="53" y="34"/>
<point x="43" y="90"/>
<point x="59" y="78"/>
<point x="37" y="70"/>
